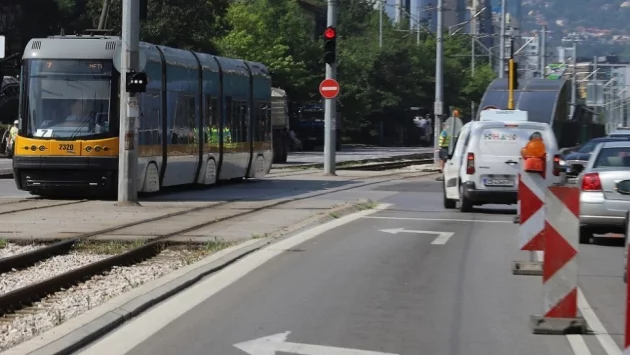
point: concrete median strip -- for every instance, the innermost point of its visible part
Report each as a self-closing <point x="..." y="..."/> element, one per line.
<point x="85" y="328"/>
<point x="348" y="163"/>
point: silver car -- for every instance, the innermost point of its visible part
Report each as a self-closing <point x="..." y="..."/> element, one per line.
<point x="605" y="191"/>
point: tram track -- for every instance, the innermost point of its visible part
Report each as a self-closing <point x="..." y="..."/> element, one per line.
<point x="30" y="205"/>
<point x="25" y="296"/>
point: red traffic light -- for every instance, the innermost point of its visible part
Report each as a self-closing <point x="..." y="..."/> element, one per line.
<point x="330" y="33"/>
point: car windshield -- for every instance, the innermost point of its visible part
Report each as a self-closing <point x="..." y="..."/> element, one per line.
<point x="613" y="158"/>
<point x="589" y="147"/>
<point x="69" y="99"/>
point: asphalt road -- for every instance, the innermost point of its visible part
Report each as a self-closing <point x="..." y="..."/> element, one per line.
<point x="8" y="189"/>
<point x="412" y="279"/>
<point x="5" y="164"/>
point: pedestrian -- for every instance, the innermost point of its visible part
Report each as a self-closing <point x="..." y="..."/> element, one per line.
<point x="443" y="144"/>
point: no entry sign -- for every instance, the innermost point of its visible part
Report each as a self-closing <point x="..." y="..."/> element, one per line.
<point x="329" y="88"/>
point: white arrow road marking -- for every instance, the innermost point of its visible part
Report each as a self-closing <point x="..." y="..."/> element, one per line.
<point x="269" y="345"/>
<point x="442" y="237"/>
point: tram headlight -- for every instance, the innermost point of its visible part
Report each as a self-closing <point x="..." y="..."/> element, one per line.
<point x="88" y="149"/>
<point x="97" y="149"/>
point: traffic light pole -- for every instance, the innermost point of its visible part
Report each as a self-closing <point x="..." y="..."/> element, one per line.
<point x="511" y="77"/>
<point x="330" y="105"/>
<point x="128" y="157"/>
<point x="438" y="108"/>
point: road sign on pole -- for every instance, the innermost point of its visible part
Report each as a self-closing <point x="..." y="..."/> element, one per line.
<point x="329" y="88"/>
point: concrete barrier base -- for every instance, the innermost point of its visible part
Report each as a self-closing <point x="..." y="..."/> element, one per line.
<point x="532" y="268"/>
<point x="558" y="326"/>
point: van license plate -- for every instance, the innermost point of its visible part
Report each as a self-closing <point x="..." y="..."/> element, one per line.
<point x="498" y="182"/>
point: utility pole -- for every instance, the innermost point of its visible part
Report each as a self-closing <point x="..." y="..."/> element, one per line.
<point x="128" y="156"/>
<point x="543" y="51"/>
<point x="439" y="89"/>
<point x="502" y="41"/>
<point x="473" y="34"/>
<point x="381" y="131"/>
<point x="330" y="105"/>
<point x="380" y="23"/>
<point x="102" y="22"/>
<point x="573" y="80"/>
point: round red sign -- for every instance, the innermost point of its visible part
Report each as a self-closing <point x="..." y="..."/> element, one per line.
<point x="329" y="88"/>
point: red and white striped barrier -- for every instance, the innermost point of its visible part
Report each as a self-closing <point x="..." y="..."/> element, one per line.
<point x="560" y="271"/>
<point x="531" y="212"/>
<point x="625" y="276"/>
<point x="627" y="337"/>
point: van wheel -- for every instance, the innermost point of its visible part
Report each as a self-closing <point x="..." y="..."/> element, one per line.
<point x="464" y="204"/>
<point x="448" y="203"/>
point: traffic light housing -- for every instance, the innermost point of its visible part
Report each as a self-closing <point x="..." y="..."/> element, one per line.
<point x="136" y="82"/>
<point x="330" y="45"/>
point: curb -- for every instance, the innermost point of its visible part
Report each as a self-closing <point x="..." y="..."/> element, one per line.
<point x="89" y="326"/>
<point x="6" y="173"/>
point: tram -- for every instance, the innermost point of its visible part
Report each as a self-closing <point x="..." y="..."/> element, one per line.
<point x="202" y="119"/>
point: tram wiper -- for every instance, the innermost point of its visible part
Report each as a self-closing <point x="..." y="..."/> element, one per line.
<point x="81" y="124"/>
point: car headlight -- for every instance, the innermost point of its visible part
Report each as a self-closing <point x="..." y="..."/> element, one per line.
<point x="562" y="162"/>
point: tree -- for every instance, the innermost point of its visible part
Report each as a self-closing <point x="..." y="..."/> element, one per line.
<point x="185" y="24"/>
<point x="278" y="34"/>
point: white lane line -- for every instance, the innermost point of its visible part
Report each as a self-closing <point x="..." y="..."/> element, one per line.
<point x="438" y="219"/>
<point x="578" y="345"/>
<point x="597" y="327"/>
<point x="442" y="238"/>
<point x="152" y="321"/>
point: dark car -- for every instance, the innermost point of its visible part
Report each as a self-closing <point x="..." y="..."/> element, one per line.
<point x="577" y="160"/>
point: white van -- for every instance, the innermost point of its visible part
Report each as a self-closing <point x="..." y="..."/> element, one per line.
<point x="484" y="164"/>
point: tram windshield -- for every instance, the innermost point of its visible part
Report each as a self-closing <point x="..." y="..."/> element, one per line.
<point x="70" y="99"/>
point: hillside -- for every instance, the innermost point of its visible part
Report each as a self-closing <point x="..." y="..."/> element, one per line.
<point x="595" y="21"/>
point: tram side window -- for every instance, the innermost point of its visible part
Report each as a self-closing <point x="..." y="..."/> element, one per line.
<point x="191" y="127"/>
<point x="227" y="120"/>
<point x="246" y="121"/>
<point x="181" y="129"/>
<point x="234" y="127"/>
<point x="267" y="125"/>
<point x="208" y="119"/>
<point x="150" y="123"/>
<point x="256" y="120"/>
<point x="259" y="122"/>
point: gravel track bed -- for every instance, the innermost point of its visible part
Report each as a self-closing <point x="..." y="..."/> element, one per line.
<point x="65" y="304"/>
<point x="11" y="249"/>
<point x="46" y="269"/>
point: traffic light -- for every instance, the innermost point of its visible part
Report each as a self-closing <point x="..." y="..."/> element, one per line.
<point x="330" y="45"/>
<point x="137" y="82"/>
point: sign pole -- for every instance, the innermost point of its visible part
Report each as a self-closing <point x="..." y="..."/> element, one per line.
<point x="330" y="105"/>
<point x="438" y="109"/>
<point x="128" y="157"/>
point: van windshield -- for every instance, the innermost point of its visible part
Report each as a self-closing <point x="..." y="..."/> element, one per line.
<point x="504" y="142"/>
